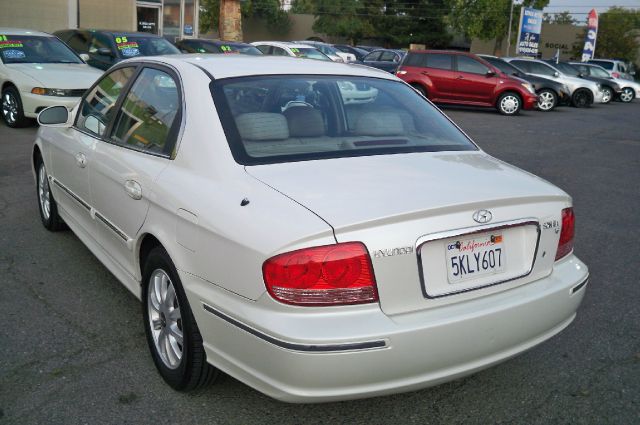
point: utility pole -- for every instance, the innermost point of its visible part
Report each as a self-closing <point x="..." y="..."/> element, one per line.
<point x="509" y="30"/>
<point x="230" y="26"/>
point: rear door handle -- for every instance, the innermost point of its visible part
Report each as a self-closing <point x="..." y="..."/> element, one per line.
<point x="133" y="189"/>
<point x="424" y="73"/>
<point x="459" y="77"/>
<point x="81" y="160"/>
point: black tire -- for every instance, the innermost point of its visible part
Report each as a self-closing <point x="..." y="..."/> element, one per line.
<point x="12" y="110"/>
<point x="607" y="93"/>
<point x="547" y="100"/>
<point x="420" y="89"/>
<point x="509" y="103"/>
<point x="627" y="95"/>
<point x="192" y="371"/>
<point x="47" y="206"/>
<point x="582" y="98"/>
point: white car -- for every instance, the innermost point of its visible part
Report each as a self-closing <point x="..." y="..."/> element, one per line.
<point x="277" y="48"/>
<point x="630" y="89"/>
<point x="37" y="71"/>
<point x="313" y="249"/>
<point x="333" y="53"/>
<point x="583" y="92"/>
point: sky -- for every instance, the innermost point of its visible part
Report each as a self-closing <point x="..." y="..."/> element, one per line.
<point x="580" y="8"/>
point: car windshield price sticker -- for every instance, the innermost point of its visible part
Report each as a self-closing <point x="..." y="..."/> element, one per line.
<point x="5" y="43"/>
<point x="126" y="47"/>
<point x="295" y="51"/>
<point x="475" y="257"/>
<point x="227" y="49"/>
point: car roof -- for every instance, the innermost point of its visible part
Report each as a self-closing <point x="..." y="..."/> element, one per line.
<point x="229" y="66"/>
<point x="283" y="44"/>
<point x="125" y="33"/>
<point x="23" y="31"/>
<point x="208" y="40"/>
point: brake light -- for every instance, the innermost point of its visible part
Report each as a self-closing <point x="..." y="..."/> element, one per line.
<point x="321" y="276"/>
<point x="615" y="74"/>
<point x="567" y="231"/>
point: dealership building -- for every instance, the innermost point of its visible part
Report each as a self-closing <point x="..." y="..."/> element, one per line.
<point x="173" y="19"/>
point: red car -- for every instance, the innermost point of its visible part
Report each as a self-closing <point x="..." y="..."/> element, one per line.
<point x="465" y="79"/>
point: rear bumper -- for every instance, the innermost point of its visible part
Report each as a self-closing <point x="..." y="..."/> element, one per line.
<point x="327" y="354"/>
<point x="34" y="103"/>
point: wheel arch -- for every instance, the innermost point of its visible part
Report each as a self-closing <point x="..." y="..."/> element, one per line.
<point x="505" y="91"/>
<point x="548" y="88"/>
<point x="7" y="84"/>
<point x="146" y="243"/>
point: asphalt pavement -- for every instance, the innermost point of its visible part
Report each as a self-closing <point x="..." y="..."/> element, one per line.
<point x="73" y="351"/>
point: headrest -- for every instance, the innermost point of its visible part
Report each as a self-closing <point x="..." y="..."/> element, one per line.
<point x="379" y="124"/>
<point x="259" y="126"/>
<point x="304" y="122"/>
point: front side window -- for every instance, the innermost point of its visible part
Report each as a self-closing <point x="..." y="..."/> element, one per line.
<point x="416" y="59"/>
<point x="269" y="119"/>
<point x="149" y="113"/>
<point x="35" y="49"/>
<point x="388" y="56"/>
<point x="372" y="57"/>
<point x="470" y="65"/>
<point x="279" y="51"/>
<point x="97" y="108"/>
<point x="309" y="53"/>
<point x="542" y="69"/>
<point x="597" y="72"/>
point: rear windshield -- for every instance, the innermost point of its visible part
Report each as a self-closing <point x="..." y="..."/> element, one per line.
<point x="246" y="49"/>
<point x="129" y="46"/>
<point x="35" y="49"/>
<point x="605" y="64"/>
<point x="309" y="53"/>
<point x="271" y="119"/>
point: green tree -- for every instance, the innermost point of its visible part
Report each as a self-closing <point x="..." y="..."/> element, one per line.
<point x="413" y="21"/>
<point x="351" y="19"/>
<point x="269" y="10"/>
<point x="488" y="19"/>
<point x="618" y="32"/>
<point x="306" y="7"/>
<point x="559" y="18"/>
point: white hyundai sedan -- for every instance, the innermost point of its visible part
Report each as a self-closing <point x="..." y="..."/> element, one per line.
<point x="37" y="71"/>
<point x="313" y="248"/>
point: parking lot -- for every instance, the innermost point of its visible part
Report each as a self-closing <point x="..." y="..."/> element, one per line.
<point x="73" y="351"/>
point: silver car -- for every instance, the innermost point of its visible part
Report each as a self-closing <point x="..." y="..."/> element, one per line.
<point x="583" y="92"/>
<point x="630" y="89"/>
<point x="314" y="248"/>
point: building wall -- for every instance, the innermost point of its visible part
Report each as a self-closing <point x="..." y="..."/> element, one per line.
<point x="254" y="29"/>
<point x="41" y="15"/>
<point x="119" y="15"/>
<point x="552" y="37"/>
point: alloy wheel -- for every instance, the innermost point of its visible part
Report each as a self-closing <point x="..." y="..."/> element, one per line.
<point x="165" y="319"/>
<point x="546" y="101"/>
<point x="9" y="108"/>
<point x="626" y="95"/>
<point x="44" y="193"/>
<point x="607" y="94"/>
<point x="509" y="104"/>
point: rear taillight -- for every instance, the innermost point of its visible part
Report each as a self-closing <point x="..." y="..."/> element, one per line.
<point x="321" y="276"/>
<point x="615" y="74"/>
<point x="565" y="244"/>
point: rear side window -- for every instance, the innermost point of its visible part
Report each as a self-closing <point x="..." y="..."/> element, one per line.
<point x="97" y="108"/>
<point x="440" y="61"/>
<point x="470" y="65"/>
<point x="374" y="56"/>
<point x="277" y="51"/>
<point x="605" y="64"/>
<point x="387" y="56"/>
<point x="416" y="59"/>
<point x="271" y="119"/>
<point x="79" y="42"/>
<point x="523" y="65"/>
<point x="149" y="113"/>
<point x="264" y="49"/>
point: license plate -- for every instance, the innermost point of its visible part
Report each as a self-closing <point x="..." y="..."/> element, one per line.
<point x="470" y="258"/>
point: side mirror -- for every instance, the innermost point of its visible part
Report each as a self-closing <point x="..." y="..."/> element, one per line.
<point x="54" y="116"/>
<point x="490" y="73"/>
<point x="94" y="125"/>
<point x="556" y="74"/>
<point x="104" y="51"/>
<point x="85" y="57"/>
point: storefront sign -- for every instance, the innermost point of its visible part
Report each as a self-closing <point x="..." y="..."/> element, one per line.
<point x="529" y="32"/>
<point x="590" y="39"/>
